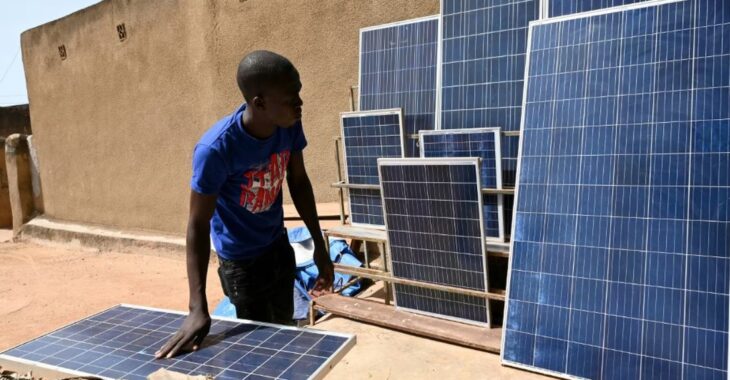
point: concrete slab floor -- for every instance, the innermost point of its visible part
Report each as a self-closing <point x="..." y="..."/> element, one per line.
<point x="47" y="286"/>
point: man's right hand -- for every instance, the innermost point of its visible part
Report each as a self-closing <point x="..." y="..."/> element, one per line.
<point x="193" y="330"/>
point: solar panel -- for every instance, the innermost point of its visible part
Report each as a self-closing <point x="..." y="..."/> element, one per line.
<point x="367" y="136"/>
<point x="620" y="259"/>
<point x="482" y="67"/>
<point x="565" y="7"/>
<point x="433" y="215"/>
<point x="398" y="70"/>
<point x="120" y="343"/>
<point x="478" y="142"/>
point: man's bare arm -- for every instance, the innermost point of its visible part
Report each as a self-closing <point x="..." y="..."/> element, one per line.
<point x="301" y="192"/>
<point x="197" y="324"/>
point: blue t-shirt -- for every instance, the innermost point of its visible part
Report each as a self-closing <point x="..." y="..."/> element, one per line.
<point x="247" y="174"/>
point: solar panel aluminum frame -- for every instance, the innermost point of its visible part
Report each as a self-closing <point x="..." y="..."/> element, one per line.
<point x="476" y="162"/>
<point x="317" y="375"/>
<point x="544" y="21"/>
<point x="343" y="115"/>
<point x="497" y="159"/>
<point x="391" y="25"/>
<point x="545" y="9"/>
<point x="440" y="59"/>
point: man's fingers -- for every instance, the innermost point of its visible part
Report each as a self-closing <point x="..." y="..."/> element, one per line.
<point x="198" y="341"/>
<point x="168" y="346"/>
<point x="179" y="346"/>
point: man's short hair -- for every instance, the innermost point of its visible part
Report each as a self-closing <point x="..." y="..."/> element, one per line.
<point x="261" y="69"/>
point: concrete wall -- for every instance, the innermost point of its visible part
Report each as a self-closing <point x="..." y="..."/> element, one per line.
<point x="14" y="119"/>
<point x="115" y="122"/>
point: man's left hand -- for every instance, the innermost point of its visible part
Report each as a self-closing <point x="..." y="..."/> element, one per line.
<point x="326" y="269"/>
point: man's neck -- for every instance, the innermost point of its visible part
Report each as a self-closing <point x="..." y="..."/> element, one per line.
<point x="257" y="128"/>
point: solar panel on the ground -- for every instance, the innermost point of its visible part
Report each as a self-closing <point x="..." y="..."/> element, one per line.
<point x="478" y="142"/>
<point x="565" y="7"/>
<point x="433" y="217"/>
<point x="483" y="67"/>
<point x="398" y="69"/>
<point x="367" y="136"/>
<point x="120" y="343"/>
<point x="620" y="259"/>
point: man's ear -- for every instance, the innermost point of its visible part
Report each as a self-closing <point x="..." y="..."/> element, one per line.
<point x="258" y="102"/>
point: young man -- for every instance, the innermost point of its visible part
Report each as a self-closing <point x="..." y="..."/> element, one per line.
<point x="238" y="170"/>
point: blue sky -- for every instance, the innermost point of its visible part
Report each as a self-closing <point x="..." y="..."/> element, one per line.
<point x="17" y="16"/>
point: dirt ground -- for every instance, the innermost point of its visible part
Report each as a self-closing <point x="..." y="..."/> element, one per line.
<point x="46" y="286"/>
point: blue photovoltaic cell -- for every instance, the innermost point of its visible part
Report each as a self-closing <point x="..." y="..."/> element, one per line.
<point x="483" y="67"/>
<point x="435" y="234"/>
<point x="482" y="143"/>
<point x="398" y="70"/>
<point x="368" y="136"/>
<point x="566" y="7"/>
<point x="120" y="344"/>
<point x="620" y="264"/>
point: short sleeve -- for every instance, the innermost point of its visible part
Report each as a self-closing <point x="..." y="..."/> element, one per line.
<point x="299" y="142"/>
<point x="209" y="170"/>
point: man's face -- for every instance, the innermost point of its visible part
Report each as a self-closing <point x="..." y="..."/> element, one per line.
<point x="283" y="103"/>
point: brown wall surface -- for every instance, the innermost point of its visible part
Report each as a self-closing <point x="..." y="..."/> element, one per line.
<point x="115" y="122"/>
<point x="14" y="119"/>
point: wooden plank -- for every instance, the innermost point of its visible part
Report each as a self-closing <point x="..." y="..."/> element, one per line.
<point x="375" y="313"/>
<point x="358" y="233"/>
<point x="343" y="185"/>
<point x="511" y="133"/>
<point x="387" y="277"/>
<point x="504" y="255"/>
<point x="506" y="190"/>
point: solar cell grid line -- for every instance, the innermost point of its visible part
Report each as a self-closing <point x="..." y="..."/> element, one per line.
<point x="367" y="136"/>
<point x="484" y="143"/>
<point x="620" y="263"/>
<point x="558" y="8"/>
<point x="398" y="69"/>
<point x="434" y="221"/>
<point x="120" y="343"/>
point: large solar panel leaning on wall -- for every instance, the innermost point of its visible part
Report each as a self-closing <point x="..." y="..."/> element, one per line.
<point x="482" y="66"/>
<point x="120" y="343"/>
<point x="367" y="136"/>
<point x="434" y="222"/>
<point x="478" y="142"/>
<point x="565" y="7"/>
<point x="398" y="70"/>
<point x="620" y="259"/>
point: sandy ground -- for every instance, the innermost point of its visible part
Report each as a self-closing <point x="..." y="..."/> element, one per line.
<point x="46" y="286"/>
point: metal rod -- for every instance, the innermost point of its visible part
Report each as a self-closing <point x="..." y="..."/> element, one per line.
<point x="387" y="277"/>
<point x="339" y="179"/>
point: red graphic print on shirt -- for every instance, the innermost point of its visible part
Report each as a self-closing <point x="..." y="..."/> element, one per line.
<point x="264" y="183"/>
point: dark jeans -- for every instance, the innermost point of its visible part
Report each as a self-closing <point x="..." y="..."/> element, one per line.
<point x="262" y="288"/>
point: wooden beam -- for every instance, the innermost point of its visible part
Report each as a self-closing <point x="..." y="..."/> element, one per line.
<point x="472" y="336"/>
<point x="343" y="185"/>
<point x="507" y="190"/>
<point x="387" y="277"/>
<point x="358" y="233"/>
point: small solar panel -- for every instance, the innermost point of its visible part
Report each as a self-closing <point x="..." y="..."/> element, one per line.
<point x="367" y="136"/>
<point x="120" y="343"/>
<point x="620" y="264"/>
<point x="398" y="70"/>
<point x="478" y="142"/>
<point x="565" y="7"/>
<point x="433" y="214"/>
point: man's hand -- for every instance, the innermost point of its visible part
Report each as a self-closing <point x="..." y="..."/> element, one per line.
<point x="193" y="330"/>
<point x="326" y="269"/>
